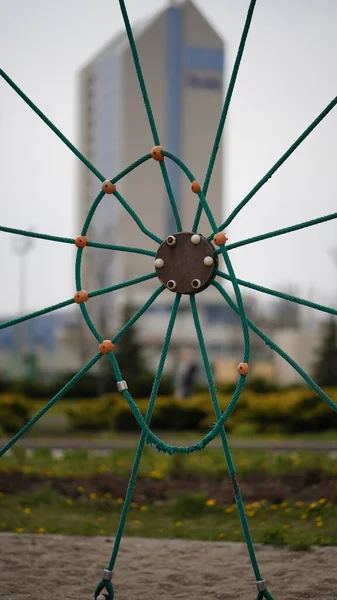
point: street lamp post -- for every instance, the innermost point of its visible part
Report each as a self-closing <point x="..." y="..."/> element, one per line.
<point x="21" y="247"/>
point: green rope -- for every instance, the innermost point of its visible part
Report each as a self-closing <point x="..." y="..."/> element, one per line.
<point x="124" y="284"/>
<point x="147" y="436"/>
<point x="279" y="163"/>
<point x="142" y="440"/>
<point x="149" y="111"/>
<point x="160" y="444"/>
<point x="139" y="313"/>
<point x="133" y="166"/>
<point x="279" y="351"/>
<point x="230" y="464"/>
<point x="284" y="296"/>
<point x="225" y="110"/>
<point x="271" y="234"/>
<point x="37" y="313"/>
<point x="51" y="403"/>
<point x="137" y="219"/>
<point x="51" y="126"/>
<point x="78" y="376"/>
<point x="55" y="238"/>
<point x="191" y="177"/>
<point x="99" y="292"/>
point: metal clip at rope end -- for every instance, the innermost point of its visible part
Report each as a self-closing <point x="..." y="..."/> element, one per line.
<point x="262" y="591"/>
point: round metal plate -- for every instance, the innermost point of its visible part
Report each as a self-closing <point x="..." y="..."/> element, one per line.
<point x="184" y="263"/>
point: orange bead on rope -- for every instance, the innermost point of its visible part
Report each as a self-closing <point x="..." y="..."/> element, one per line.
<point x="156" y="153"/>
<point x="81" y="296"/>
<point x="81" y="241"/>
<point x="243" y="368"/>
<point x="220" y="238"/>
<point x="108" y="187"/>
<point x="106" y="346"/>
<point x="195" y="187"/>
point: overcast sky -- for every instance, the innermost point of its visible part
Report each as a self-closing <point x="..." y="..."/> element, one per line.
<point x="288" y="75"/>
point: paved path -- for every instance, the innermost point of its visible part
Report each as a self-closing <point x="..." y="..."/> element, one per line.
<point x="131" y="442"/>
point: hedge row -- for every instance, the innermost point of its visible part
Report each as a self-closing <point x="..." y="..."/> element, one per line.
<point x="286" y="412"/>
<point x="291" y="411"/>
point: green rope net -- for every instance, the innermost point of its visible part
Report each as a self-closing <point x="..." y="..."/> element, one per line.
<point x="105" y="587"/>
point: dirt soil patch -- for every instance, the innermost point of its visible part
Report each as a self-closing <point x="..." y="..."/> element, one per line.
<point x="308" y="487"/>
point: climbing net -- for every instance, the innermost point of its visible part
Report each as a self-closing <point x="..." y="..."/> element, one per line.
<point x="203" y="259"/>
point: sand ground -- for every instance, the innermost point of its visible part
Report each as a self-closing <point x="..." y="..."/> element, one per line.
<point x="55" y="567"/>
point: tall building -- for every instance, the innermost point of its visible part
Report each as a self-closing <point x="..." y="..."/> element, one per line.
<point x="182" y="59"/>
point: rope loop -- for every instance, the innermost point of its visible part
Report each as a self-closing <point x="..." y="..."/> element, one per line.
<point x="99" y="591"/>
<point x="265" y="594"/>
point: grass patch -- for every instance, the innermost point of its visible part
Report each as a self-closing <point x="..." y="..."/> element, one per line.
<point x="209" y="463"/>
<point x="194" y="517"/>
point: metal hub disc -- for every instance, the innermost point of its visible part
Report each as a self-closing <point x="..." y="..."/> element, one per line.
<point x="185" y="263"/>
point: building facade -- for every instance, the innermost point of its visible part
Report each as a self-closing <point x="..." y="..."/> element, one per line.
<point x="182" y="59"/>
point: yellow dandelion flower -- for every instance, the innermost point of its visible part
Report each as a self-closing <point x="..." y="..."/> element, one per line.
<point x="322" y="501"/>
<point x="299" y="503"/>
<point x="313" y="505"/>
<point x="133" y="504"/>
<point x="107" y="495"/>
<point x="251" y="513"/>
<point x="1" y="494"/>
<point x="136" y="522"/>
<point x="41" y="530"/>
<point x="284" y="504"/>
<point x="119" y="500"/>
<point x="256" y="504"/>
<point x="19" y="530"/>
<point x="69" y="501"/>
<point x="143" y="508"/>
<point x="80" y="489"/>
<point x="229" y="510"/>
<point x="288" y="510"/>
<point x="102" y="531"/>
<point x="27" y="511"/>
<point x="211" y="502"/>
<point x="274" y="507"/>
<point x="156" y="474"/>
<point x="160" y="529"/>
<point x="304" y="516"/>
<point x="319" y="524"/>
<point x="221" y="535"/>
<point x="93" y="496"/>
<point x="178" y="523"/>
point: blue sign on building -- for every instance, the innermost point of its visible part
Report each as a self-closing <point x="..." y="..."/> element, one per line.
<point x="207" y="83"/>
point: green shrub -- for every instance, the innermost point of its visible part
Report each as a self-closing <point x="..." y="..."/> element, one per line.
<point x="91" y="415"/>
<point x="287" y="412"/>
<point x="274" y="535"/>
<point x="169" y="413"/>
<point x="14" y="412"/>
